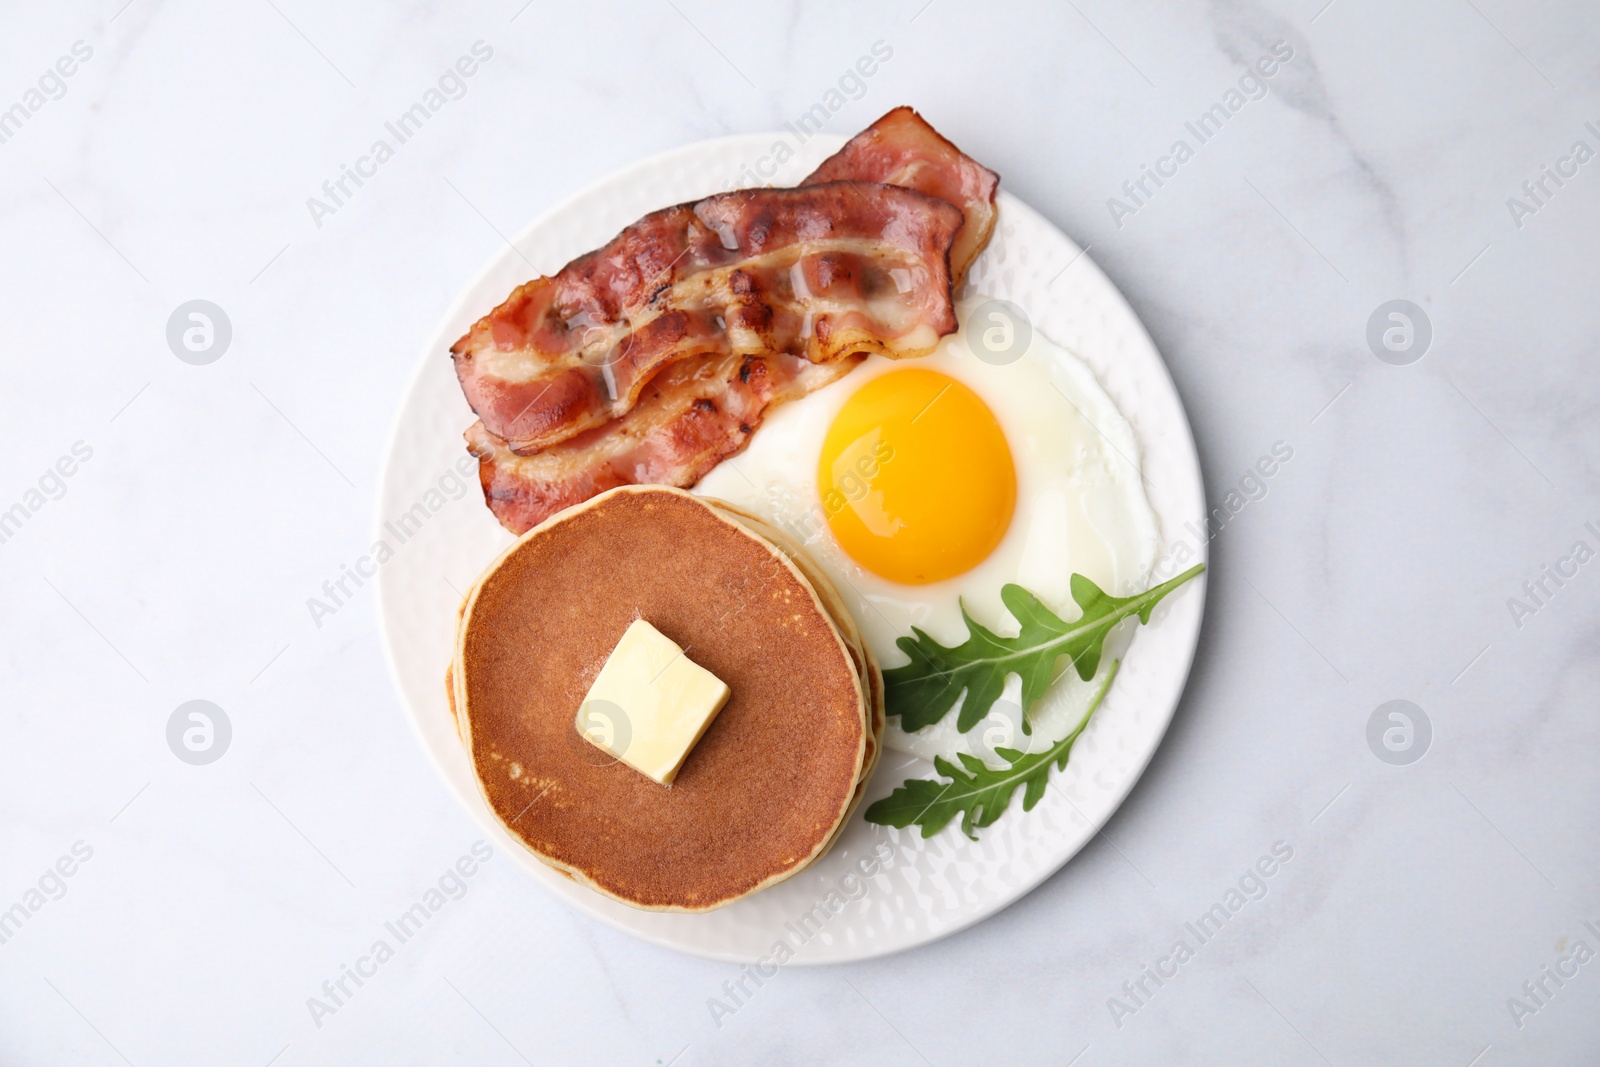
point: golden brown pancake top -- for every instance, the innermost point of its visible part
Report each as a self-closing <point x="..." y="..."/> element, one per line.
<point x="771" y="778"/>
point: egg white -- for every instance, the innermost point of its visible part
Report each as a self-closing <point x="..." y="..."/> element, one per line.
<point x="1081" y="508"/>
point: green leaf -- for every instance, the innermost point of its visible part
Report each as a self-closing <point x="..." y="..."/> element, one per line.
<point x="977" y="792"/>
<point x="924" y="690"/>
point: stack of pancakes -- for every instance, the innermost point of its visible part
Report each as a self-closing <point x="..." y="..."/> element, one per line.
<point x="769" y="786"/>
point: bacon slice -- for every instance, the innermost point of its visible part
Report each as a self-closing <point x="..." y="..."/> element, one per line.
<point x="657" y="356"/>
<point x="689" y="418"/>
<point x="824" y="271"/>
<point x="902" y="149"/>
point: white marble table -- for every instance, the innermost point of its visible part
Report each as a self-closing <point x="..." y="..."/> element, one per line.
<point x="207" y="503"/>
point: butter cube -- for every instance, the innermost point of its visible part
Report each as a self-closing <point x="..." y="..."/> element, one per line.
<point x="650" y="704"/>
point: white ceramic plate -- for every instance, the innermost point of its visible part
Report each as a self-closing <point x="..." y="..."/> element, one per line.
<point x="441" y="536"/>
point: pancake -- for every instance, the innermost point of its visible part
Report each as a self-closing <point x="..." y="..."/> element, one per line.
<point x="852" y="634"/>
<point x="767" y="787"/>
<point x="866" y="662"/>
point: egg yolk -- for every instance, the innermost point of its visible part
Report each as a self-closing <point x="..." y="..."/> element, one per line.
<point x="916" y="478"/>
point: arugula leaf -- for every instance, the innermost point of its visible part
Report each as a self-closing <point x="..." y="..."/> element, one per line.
<point x="979" y="794"/>
<point x="924" y="690"/>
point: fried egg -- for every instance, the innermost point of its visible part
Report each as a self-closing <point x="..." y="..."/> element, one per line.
<point x="922" y="485"/>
